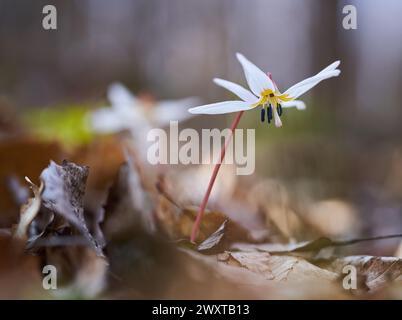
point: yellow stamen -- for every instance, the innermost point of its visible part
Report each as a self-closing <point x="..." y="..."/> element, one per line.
<point x="284" y="97"/>
<point x="270" y="97"/>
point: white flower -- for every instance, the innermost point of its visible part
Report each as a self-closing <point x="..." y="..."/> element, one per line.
<point x="138" y="115"/>
<point x="264" y="92"/>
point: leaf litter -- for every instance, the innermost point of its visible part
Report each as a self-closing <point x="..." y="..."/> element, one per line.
<point x="134" y="243"/>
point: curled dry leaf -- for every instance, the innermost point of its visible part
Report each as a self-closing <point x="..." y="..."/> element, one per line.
<point x="214" y="239"/>
<point x="53" y="226"/>
<point x="29" y="211"/>
<point x="211" y="222"/>
<point x="63" y="194"/>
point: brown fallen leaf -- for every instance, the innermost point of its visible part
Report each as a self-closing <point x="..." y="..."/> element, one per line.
<point x="307" y="249"/>
<point x="64" y="188"/>
<point x="214" y="239"/>
<point x="54" y="227"/>
<point x="261" y="276"/>
<point x="280" y="268"/>
<point x="212" y="221"/>
<point x="373" y="273"/>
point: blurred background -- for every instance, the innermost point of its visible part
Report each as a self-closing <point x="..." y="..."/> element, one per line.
<point x="173" y="49"/>
<point x="346" y="145"/>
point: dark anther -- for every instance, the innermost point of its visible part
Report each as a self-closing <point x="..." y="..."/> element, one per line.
<point x="262" y="115"/>
<point x="269" y="113"/>
<point x="271" y="95"/>
<point x="279" y="109"/>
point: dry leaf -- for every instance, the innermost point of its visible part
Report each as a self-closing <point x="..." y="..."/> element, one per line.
<point x="260" y="276"/>
<point x="373" y="272"/>
<point x="211" y="221"/>
<point x="306" y="248"/>
<point x="214" y="239"/>
<point x="280" y="268"/>
<point x="29" y="211"/>
<point x="63" y="194"/>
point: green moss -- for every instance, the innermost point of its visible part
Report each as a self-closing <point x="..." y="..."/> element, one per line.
<point x="66" y="124"/>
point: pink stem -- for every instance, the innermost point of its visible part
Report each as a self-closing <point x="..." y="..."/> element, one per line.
<point x="197" y="223"/>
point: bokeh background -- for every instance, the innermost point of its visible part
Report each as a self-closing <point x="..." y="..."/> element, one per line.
<point x="174" y="48"/>
<point x="346" y="145"/>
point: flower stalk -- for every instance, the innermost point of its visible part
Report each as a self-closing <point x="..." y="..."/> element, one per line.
<point x="197" y="223"/>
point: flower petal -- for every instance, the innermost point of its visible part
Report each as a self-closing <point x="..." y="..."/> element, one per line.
<point x="238" y="90"/>
<point x="300" y="105"/>
<point x="105" y="120"/>
<point x="119" y="95"/>
<point x="221" y="107"/>
<point x="331" y="67"/>
<point x="277" y="118"/>
<point x="112" y="120"/>
<point x="301" y="87"/>
<point x="257" y="80"/>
